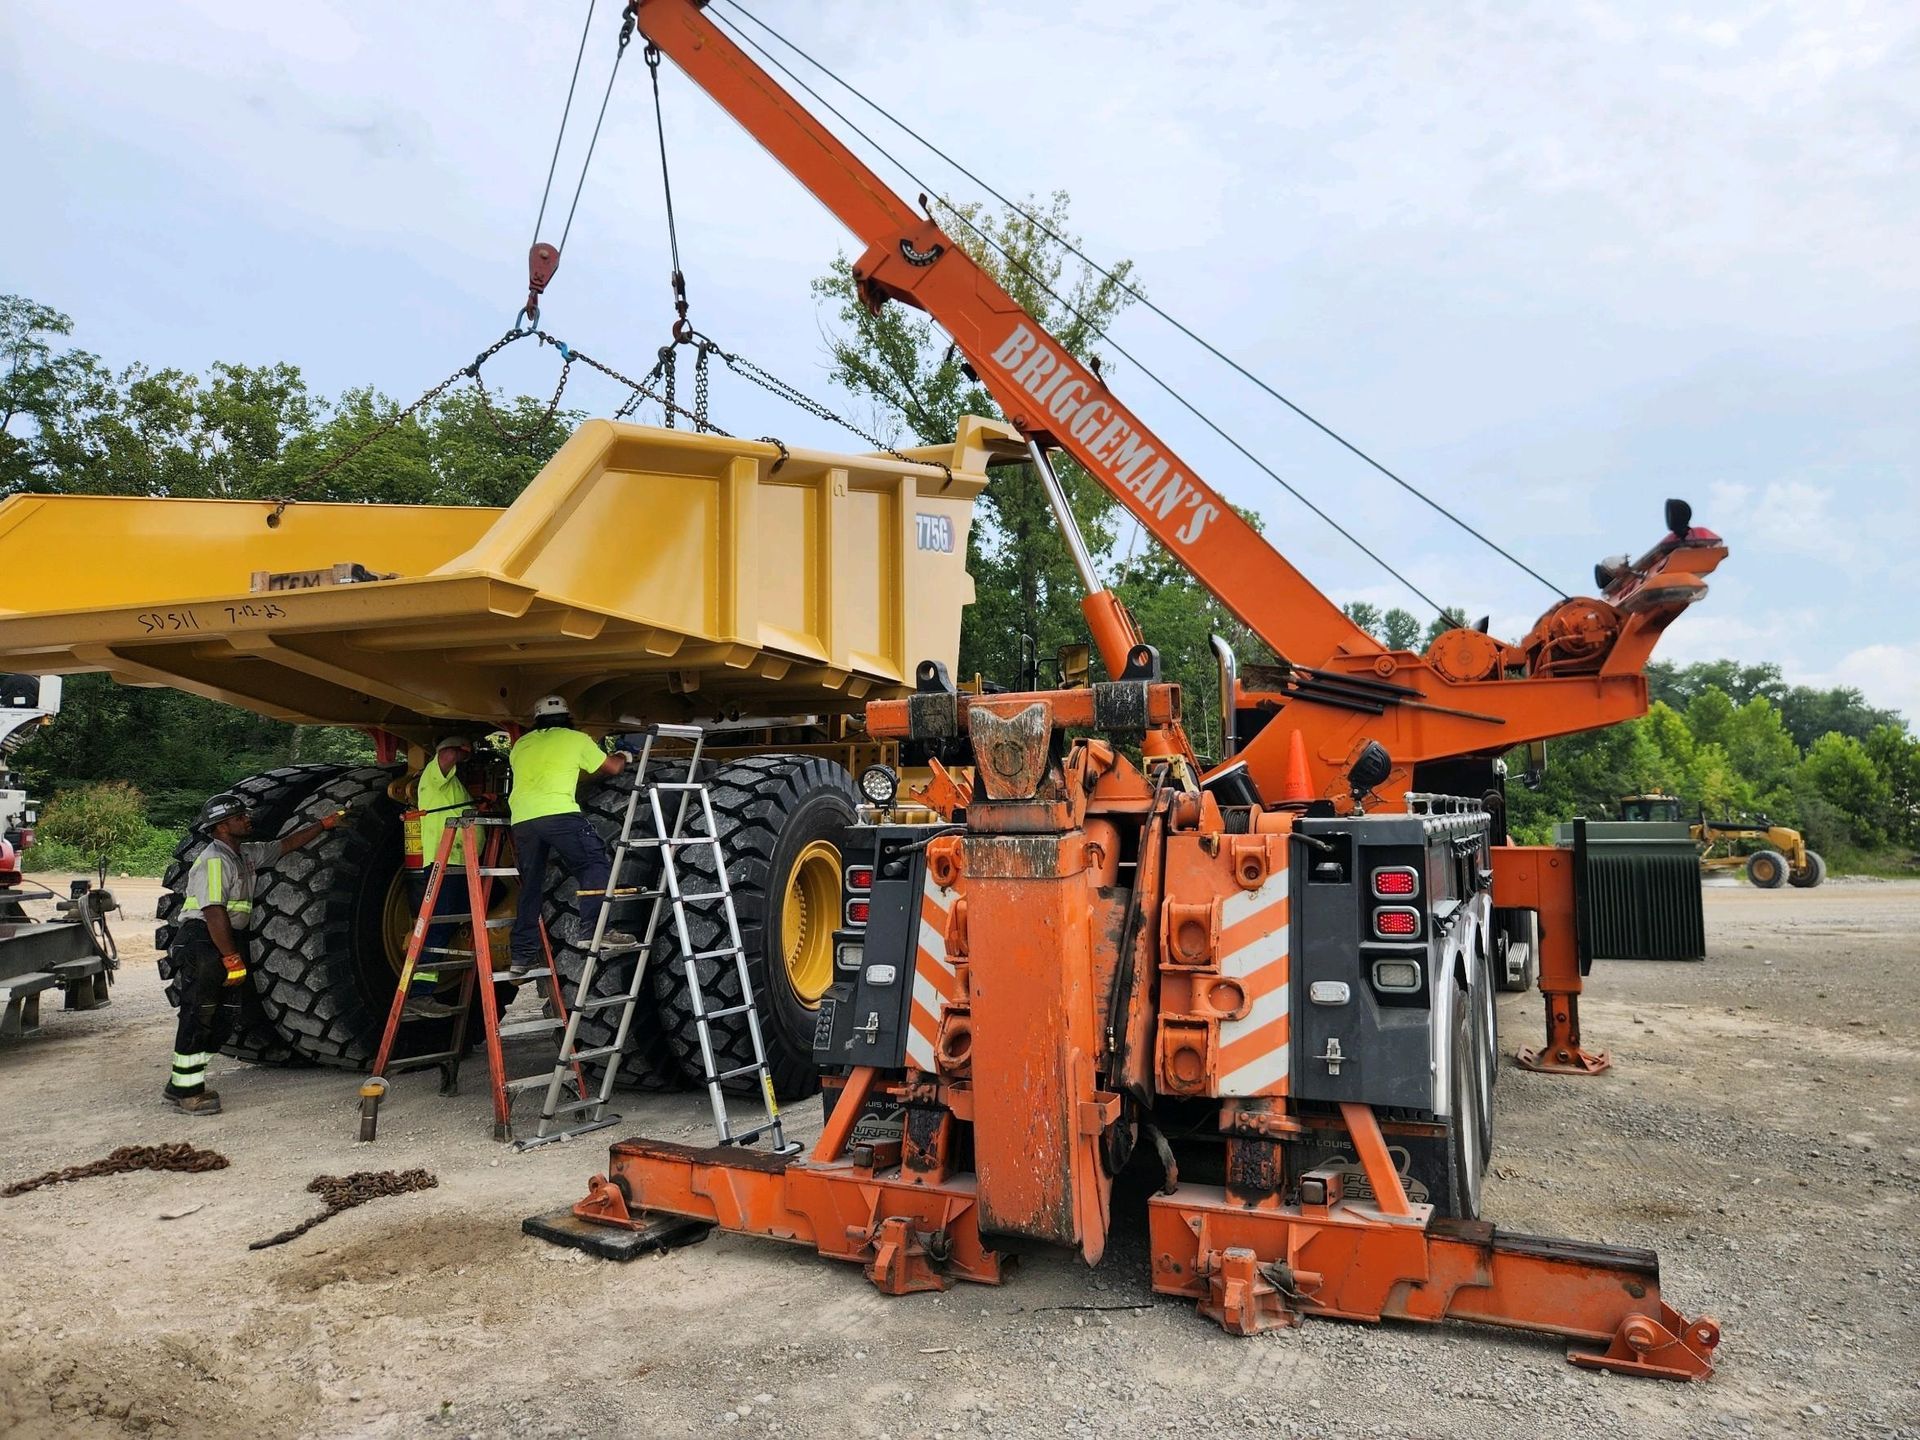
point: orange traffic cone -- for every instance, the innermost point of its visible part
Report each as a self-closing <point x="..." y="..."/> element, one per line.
<point x="1298" y="789"/>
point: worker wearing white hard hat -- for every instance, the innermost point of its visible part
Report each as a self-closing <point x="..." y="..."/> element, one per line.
<point x="549" y="762"/>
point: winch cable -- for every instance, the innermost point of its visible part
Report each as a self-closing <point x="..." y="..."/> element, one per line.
<point x="682" y="329"/>
<point x="543" y="259"/>
<point x="566" y="110"/>
<point x="746" y="40"/>
<point x="1140" y="296"/>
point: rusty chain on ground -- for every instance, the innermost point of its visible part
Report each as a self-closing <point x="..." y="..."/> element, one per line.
<point x="343" y="1192"/>
<point x="125" y="1160"/>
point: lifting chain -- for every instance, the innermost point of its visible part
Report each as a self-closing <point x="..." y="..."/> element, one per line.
<point x="125" y="1160"/>
<point x="343" y="1192"/>
<point x="395" y="421"/>
<point x="747" y="369"/>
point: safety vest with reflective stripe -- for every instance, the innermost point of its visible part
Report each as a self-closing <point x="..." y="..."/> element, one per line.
<point x="222" y="875"/>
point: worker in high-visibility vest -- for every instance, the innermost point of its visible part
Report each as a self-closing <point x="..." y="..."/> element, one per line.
<point x="209" y="951"/>
<point x="442" y="795"/>
<point x="548" y="764"/>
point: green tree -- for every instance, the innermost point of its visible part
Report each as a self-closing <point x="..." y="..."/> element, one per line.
<point x="1839" y="772"/>
<point x="45" y="391"/>
<point x="1896" y="757"/>
<point x="1367" y="617"/>
<point x="1400" y="629"/>
<point x="900" y="363"/>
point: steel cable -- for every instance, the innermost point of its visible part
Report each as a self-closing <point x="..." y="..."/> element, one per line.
<point x="1073" y="310"/>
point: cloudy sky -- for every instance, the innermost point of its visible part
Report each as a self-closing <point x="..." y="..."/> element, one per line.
<point x="1551" y="261"/>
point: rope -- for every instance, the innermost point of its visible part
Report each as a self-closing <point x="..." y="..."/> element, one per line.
<point x="1074" y="310"/>
<point x="125" y="1160"/>
<point x="343" y="1192"/>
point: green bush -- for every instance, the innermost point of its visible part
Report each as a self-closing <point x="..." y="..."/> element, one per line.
<point x="94" y="821"/>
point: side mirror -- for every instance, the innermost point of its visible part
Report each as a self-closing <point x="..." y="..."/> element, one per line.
<point x="1679" y="517"/>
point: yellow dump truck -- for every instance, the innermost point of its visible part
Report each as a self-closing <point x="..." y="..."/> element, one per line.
<point x="647" y="575"/>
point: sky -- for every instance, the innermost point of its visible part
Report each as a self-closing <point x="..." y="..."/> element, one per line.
<point x="1551" y="262"/>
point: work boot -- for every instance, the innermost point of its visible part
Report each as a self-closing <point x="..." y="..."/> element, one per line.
<point x="201" y="1102"/>
<point x="618" y="940"/>
<point x="519" y="969"/>
<point x="425" y="1007"/>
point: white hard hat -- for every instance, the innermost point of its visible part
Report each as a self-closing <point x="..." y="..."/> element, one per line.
<point x="453" y="742"/>
<point x="551" y="705"/>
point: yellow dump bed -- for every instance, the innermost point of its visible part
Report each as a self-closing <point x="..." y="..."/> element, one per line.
<point x="645" y="574"/>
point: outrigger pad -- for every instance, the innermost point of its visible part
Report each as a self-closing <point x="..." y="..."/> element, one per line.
<point x="616" y="1242"/>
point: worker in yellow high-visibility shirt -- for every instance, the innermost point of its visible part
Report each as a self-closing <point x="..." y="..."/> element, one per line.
<point x="442" y="795"/>
<point x="549" y="762"/>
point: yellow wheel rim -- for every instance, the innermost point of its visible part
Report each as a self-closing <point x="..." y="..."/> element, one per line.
<point x="809" y="914"/>
<point x="396" y="921"/>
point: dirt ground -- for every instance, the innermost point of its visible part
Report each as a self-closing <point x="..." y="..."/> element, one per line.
<point x="1761" y="1130"/>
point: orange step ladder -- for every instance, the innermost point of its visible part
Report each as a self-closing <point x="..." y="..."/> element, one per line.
<point x="466" y="828"/>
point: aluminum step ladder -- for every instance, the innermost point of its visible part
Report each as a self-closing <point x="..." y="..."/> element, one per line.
<point x="690" y="800"/>
<point x="561" y="1119"/>
<point x="467" y="829"/>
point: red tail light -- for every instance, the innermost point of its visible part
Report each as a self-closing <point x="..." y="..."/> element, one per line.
<point x="1396" y="922"/>
<point x="1398" y="883"/>
<point x="860" y="877"/>
<point x="858" y="911"/>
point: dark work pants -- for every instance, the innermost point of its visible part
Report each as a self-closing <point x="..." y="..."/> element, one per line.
<point x="581" y="850"/>
<point x="206" y="1011"/>
<point x="453" y="900"/>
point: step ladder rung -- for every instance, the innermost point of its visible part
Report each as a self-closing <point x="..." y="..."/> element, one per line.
<point x="616" y="949"/>
<point x="529" y="1082"/>
<point x="570" y="1106"/>
<point x="705" y="896"/>
<point x="498" y="872"/>
<point x="545" y="1025"/>
<point x="492" y="924"/>
<point x="598" y="1052"/>
<point x="604" y="1002"/>
<point x="722" y="953"/>
<point x="749" y="1135"/>
<point x="750" y="1069"/>
<point x="420" y="1062"/>
<point x="739" y="1009"/>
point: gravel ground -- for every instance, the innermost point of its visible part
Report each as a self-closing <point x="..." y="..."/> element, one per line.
<point x="1760" y="1130"/>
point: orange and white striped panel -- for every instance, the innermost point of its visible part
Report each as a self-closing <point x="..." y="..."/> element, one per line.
<point x="934" y="979"/>
<point x="1254" y="1052"/>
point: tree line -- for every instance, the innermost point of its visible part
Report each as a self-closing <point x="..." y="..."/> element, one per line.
<point x="1730" y="737"/>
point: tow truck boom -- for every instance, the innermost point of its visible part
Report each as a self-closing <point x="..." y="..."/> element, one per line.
<point x="1581" y="666"/>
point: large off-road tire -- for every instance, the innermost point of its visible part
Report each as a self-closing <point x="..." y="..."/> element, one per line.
<point x="646" y="1063"/>
<point x="1767" y="869"/>
<point x="323" y="927"/>
<point x="1810" y="874"/>
<point x="779" y="818"/>
<point x="273" y="796"/>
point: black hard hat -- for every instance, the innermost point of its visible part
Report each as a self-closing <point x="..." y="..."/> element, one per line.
<point x="223" y="806"/>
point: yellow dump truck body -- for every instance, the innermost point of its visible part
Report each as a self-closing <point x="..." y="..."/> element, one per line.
<point x="645" y="574"/>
